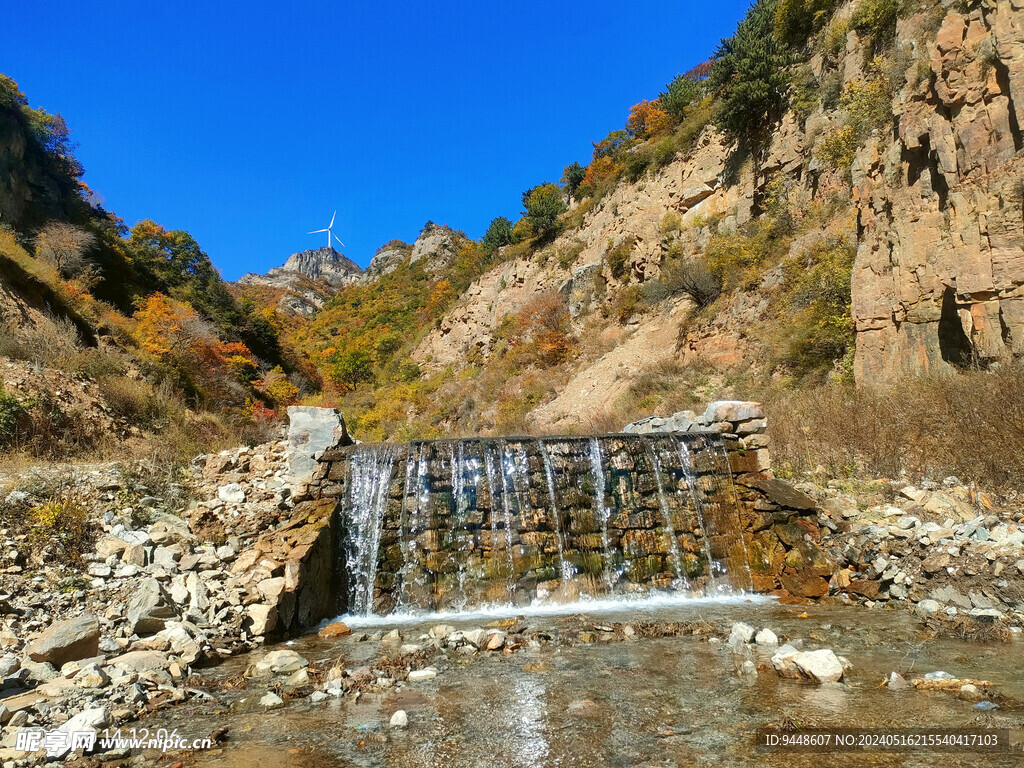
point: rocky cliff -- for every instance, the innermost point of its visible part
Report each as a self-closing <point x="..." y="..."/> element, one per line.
<point x="931" y="201"/>
<point x="308" y="277"/>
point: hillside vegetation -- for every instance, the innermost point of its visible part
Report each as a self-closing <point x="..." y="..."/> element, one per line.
<point x="793" y="220"/>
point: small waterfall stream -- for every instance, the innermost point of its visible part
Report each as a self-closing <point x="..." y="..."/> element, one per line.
<point x="460" y="524"/>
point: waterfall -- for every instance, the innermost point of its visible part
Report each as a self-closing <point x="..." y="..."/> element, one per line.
<point x="565" y="570"/>
<point x="666" y="517"/>
<point x="369" y="477"/>
<point x="601" y="516"/>
<point x="601" y="509"/>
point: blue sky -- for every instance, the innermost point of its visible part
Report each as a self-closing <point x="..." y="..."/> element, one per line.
<point x="248" y="123"/>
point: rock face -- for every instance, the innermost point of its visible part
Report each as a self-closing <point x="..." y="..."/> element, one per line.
<point x="323" y="264"/>
<point x="308" y="278"/>
<point x="437" y="245"/>
<point x="939" y="276"/>
<point x="311" y="431"/>
<point x="290" y="572"/>
<point x="67" y="641"/>
<point x="387" y="259"/>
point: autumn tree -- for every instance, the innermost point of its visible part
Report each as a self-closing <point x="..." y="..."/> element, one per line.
<point x="163" y="325"/>
<point x="646" y="119"/>
<point x="65" y="247"/>
<point x="350" y="368"/>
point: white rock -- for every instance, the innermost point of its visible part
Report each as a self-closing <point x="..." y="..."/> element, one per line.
<point x="821" y="665"/>
<point x="766" y="637"/>
<point x="419" y="675"/>
<point x="271" y="701"/>
<point x="742" y="630"/>
<point x="232" y="493"/>
<point x="400" y="719"/>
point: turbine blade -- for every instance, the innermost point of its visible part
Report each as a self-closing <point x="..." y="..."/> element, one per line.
<point x="332" y="219"/>
<point x="339" y="240"/>
<point x="316" y="231"/>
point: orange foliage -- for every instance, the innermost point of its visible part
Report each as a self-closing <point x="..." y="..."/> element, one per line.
<point x="163" y="325"/>
<point x="442" y="295"/>
<point x="599" y="170"/>
<point x="647" y="118"/>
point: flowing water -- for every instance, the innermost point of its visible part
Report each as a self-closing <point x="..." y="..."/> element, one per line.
<point x="459" y="524"/>
<point x="671" y="701"/>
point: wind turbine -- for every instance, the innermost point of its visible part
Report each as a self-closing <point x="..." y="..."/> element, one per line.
<point x="329" y="233"/>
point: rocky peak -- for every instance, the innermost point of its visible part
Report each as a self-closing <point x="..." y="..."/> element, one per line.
<point x="309" y="277"/>
<point x="388" y="258"/>
<point x="438" y="244"/>
<point x="324" y="264"/>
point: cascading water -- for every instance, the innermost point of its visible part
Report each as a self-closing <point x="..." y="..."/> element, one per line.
<point x="516" y="520"/>
<point x="371" y="470"/>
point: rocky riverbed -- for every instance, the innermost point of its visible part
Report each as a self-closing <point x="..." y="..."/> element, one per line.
<point x="185" y="579"/>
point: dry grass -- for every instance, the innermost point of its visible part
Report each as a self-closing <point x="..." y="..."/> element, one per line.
<point x="967" y="425"/>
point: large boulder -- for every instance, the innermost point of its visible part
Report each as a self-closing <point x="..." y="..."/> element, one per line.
<point x="150" y="608"/>
<point x="311" y="431"/>
<point x="65" y="641"/>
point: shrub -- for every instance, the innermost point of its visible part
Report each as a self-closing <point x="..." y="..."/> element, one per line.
<point x="819" y="330"/>
<point x="736" y="257"/>
<point x="838" y="148"/>
<point x="750" y="70"/>
<point x="618" y="257"/>
<point x="876" y="18"/>
<point x="131" y="400"/>
<point x="627" y="302"/>
<point x="796" y="19"/>
<point x="569" y="255"/>
<point x="868" y="102"/>
<point x="967" y="425"/>
<point x="833" y="40"/>
<point x="695" y="279"/>
<point x="805" y="88"/>
<point x="12" y="415"/>
<point x="62" y="524"/>
<point x="671" y="223"/>
<point x="66" y="248"/>
<point x="350" y="368"/>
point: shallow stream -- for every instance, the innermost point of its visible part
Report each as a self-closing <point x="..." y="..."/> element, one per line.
<point x="675" y="701"/>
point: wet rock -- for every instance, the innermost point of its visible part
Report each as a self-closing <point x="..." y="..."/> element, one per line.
<point x="335" y="630"/>
<point x="766" y="637"/>
<point x="419" y="675"/>
<point x="66" y="641"/>
<point x="477" y="638"/>
<point x="496" y="641"/>
<point x="783" y="662"/>
<point x="271" y="701"/>
<point x="400" y="719"/>
<point x="821" y="666"/>
<point x="441" y="631"/>
<point x="744" y="631"/>
<point x="282" y="662"/>
<point x="896" y="682"/>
